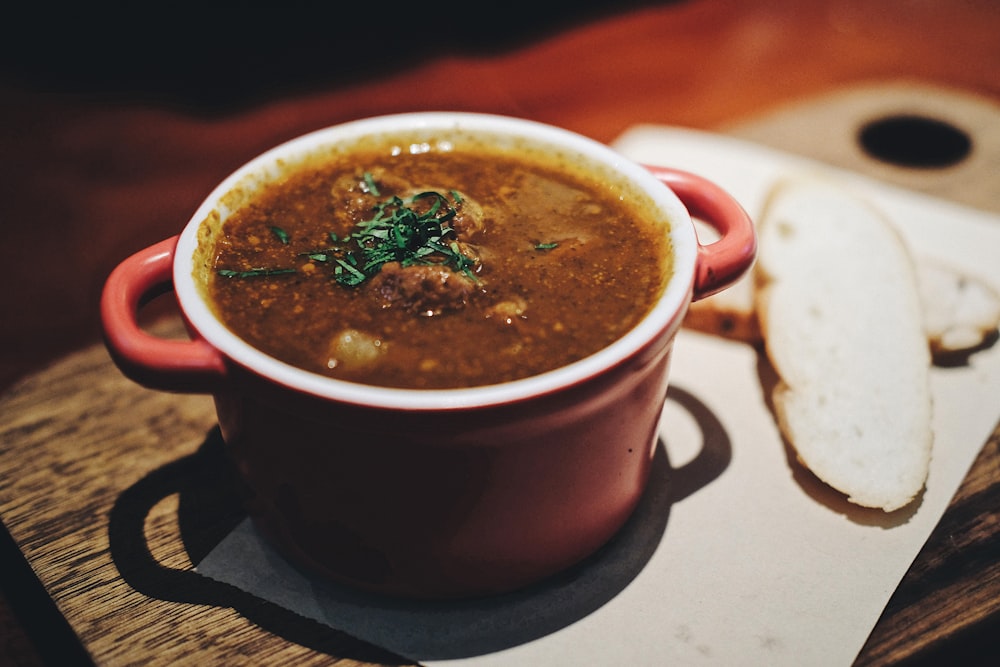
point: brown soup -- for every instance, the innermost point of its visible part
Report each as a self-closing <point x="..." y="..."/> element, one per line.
<point x="441" y="269"/>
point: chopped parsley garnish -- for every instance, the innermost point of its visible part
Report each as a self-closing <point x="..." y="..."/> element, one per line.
<point x="253" y="273"/>
<point x="412" y="231"/>
<point x="281" y="234"/>
<point x="546" y="246"/>
<point x="370" y="185"/>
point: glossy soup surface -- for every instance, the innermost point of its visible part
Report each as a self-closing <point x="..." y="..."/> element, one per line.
<point x="532" y="264"/>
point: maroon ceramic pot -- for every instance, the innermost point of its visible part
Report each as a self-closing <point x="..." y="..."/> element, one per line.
<point x="432" y="493"/>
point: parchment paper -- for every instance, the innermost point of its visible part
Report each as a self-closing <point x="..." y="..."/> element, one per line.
<point x="737" y="555"/>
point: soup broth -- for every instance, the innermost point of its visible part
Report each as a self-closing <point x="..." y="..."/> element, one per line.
<point x="437" y="268"/>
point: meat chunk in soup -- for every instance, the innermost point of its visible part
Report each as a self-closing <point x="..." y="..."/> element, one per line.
<point x="426" y="289"/>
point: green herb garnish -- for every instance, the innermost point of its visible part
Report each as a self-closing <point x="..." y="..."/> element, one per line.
<point x="401" y="232"/>
<point x="411" y="231"/>
<point x="281" y="234"/>
<point x="253" y="273"/>
<point x="346" y="272"/>
<point x="370" y="184"/>
<point x="546" y="246"/>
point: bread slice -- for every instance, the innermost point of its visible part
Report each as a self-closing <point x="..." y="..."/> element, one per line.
<point x="839" y="309"/>
<point x="961" y="311"/>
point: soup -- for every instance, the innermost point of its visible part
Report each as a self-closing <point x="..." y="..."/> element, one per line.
<point x="436" y="266"/>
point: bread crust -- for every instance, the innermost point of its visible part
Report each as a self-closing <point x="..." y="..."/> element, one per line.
<point x="961" y="311"/>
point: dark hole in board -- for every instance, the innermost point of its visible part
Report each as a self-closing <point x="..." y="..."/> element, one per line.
<point x="915" y="141"/>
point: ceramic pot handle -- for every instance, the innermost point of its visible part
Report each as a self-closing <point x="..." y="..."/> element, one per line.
<point x="191" y="366"/>
<point x="724" y="261"/>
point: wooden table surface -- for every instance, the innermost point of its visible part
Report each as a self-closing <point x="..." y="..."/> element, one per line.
<point x="111" y="137"/>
